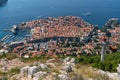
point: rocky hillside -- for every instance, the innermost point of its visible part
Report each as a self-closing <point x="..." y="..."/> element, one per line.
<point x="52" y="69"/>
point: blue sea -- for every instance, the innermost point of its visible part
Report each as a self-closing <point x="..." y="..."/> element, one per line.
<point x="93" y="11"/>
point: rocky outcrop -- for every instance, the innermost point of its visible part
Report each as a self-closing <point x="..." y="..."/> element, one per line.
<point x="118" y="70"/>
<point x="111" y="23"/>
<point x="43" y="66"/>
<point x="33" y="72"/>
<point x="39" y="75"/>
<point x="24" y="70"/>
<point x="62" y="69"/>
<point x="112" y="76"/>
<point x="49" y="68"/>
<point x="63" y="77"/>
<point x="69" y="64"/>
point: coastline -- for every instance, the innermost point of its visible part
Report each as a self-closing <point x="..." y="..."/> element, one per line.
<point x="63" y="37"/>
<point x="77" y="10"/>
<point x="23" y="27"/>
<point x="16" y="30"/>
<point x="59" y="40"/>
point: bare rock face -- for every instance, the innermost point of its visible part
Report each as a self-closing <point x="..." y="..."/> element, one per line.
<point x="39" y="72"/>
<point x="66" y="60"/>
<point x="51" y="60"/>
<point x="112" y="76"/>
<point x="32" y="70"/>
<point x="51" y="64"/>
<point x="4" y="63"/>
<point x="24" y="70"/>
<point x="63" y="77"/>
<point x="39" y="75"/>
<point x="72" y="60"/>
<point x="69" y="64"/>
<point x="67" y="68"/>
<point x="118" y="71"/>
<point x="43" y="66"/>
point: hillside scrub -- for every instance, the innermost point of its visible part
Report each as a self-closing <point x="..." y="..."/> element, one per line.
<point x="9" y="56"/>
<point x="109" y="64"/>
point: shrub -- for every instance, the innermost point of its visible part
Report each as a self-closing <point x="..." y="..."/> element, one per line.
<point x="106" y="66"/>
<point x="4" y="78"/>
<point x="3" y="73"/>
<point x="9" y="56"/>
<point x="15" y="70"/>
<point x="33" y="59"/>
<point x="77" y="77"/>
<point x="109" y="64"/>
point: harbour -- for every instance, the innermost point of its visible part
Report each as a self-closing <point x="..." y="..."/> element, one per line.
<point x="59" y="40"/>
<point x="15" y="14"/>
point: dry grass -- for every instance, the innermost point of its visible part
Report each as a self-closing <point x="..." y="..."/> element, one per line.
<point x="88" y="72"/>
<point x="82" y="72"/>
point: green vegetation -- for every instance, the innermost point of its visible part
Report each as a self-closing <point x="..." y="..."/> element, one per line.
<point x="10" y="73"/>
<point x="15" y="70"/>
<point x="88" y="72"/>
<point x="109" y="64"/>
<point x="3" y="73"/>
<point x="33" y="59"/>
<point x="76" y="76"/>
<point x="4" y="78"/>
<point x="9" y="56"/>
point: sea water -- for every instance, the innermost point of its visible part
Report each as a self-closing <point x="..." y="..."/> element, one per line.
<point x="93" y="11"/>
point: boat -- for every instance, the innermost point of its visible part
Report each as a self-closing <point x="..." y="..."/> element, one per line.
<point x="87" y="14"/>
<point x="14" y="30"/>
<point x="3" y="2"/>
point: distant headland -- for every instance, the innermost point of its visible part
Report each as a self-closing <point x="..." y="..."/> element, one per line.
<point x="3" y="1"/>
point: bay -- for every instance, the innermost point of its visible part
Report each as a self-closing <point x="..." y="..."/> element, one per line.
<point x="93" y="11"/>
